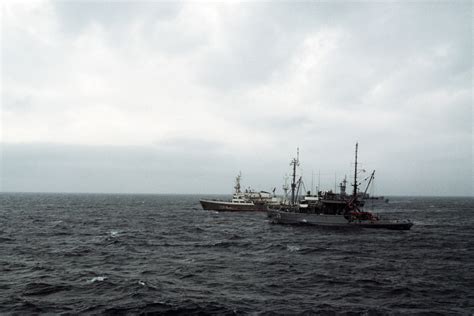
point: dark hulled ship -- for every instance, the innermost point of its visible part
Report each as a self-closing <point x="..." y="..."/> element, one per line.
<point x="334" y="210"/>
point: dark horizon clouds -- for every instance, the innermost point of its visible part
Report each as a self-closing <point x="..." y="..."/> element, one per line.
<point x="178" y="97"/>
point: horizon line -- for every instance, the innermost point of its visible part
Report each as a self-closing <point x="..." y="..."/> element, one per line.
<point x="157" y="193"/>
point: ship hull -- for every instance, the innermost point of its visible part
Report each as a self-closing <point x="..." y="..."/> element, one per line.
<point x="213" y="205"/>
<point x="328" y="220"/>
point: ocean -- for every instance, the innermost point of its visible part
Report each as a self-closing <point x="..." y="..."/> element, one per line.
<point x="162" y="254"/>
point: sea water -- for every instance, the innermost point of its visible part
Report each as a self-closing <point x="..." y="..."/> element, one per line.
<point x="130" y="254"/>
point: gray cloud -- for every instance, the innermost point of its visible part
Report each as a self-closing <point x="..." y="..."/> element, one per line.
<point x="210" y="89"/>
<point x="74" y="16"/>
<point x="70" y="168"/>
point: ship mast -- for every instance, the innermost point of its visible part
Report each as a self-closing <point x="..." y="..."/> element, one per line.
<point x="286" y="187"/>
<point x="294" y="163"/>
<point x="354" y="193"/>
<point x="237" y="183"/>
<point x="342" y="186"/>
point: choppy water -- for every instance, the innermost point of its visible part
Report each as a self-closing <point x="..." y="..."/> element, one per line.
<point x="131" y="254"/>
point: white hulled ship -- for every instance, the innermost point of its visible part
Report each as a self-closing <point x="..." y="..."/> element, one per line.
<point x="247" y="200"/>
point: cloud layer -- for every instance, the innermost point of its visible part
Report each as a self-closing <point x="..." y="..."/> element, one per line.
<point x="241" y="85"/>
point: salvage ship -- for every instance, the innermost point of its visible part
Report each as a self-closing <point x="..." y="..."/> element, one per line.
<point x="366" y="197"/>
<point x="242" y="201"/>
<point x="330" y="209"/>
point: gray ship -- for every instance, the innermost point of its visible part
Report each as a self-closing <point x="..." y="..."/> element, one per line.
<point x="331" y="210"/>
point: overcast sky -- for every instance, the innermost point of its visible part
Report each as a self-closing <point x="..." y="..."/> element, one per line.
<point x="165" y="97"/>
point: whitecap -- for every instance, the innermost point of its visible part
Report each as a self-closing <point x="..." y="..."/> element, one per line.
<point x="114" y="233"/>
<point x="292" y="248"/>
<point x="97" y="279"/>
<point x="141" y="283"/>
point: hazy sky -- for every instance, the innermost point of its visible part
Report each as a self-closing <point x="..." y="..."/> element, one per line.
<point x="165" y="97"/>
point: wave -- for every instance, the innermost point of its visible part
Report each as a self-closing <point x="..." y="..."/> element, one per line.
<point x="160" y="258"/>
<point x="39" y="288"/>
